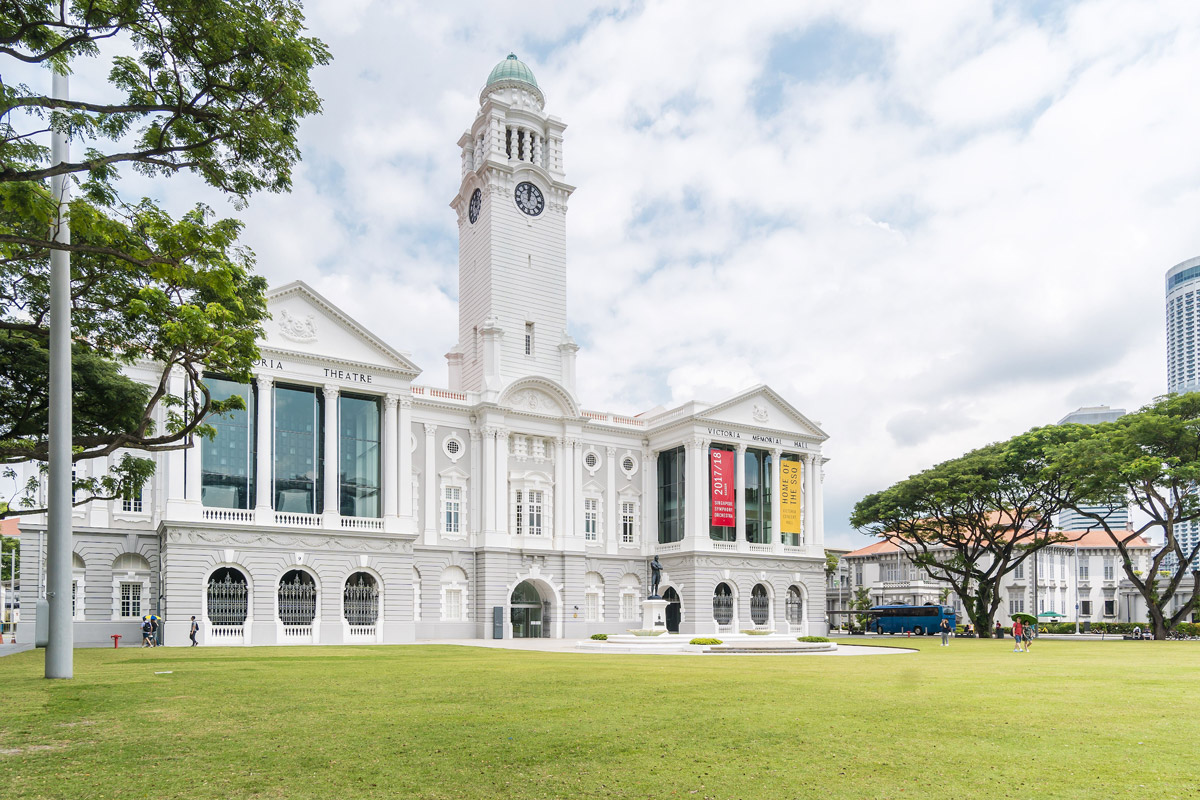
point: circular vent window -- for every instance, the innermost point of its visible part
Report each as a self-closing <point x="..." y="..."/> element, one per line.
<point x="592" y="460"/>
<point x="452" y="447"/>
<point x="628" y="464"/>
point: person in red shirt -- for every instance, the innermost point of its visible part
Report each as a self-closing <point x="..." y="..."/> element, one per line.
<point x="1017" y="643"/>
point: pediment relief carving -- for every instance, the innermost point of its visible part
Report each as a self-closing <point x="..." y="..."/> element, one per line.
<point x="535" y="401"/>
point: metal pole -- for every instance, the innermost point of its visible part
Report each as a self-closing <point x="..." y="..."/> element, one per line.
<point x="59" y="647"/>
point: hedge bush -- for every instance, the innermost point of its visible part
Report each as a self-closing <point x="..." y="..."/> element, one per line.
<point x="600" y="637"/>
<point x="704" y="640"/>
<point x="757" y="632"/>
<point x="811" y="639"/>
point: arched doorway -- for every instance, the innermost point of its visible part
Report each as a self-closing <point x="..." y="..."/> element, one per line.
<point x="529" y="614"/>
<point x="760" y="605"/>
<point x="674" y="609"/>
<point x="723" y="605"/>
<point x="360" y="603"/>
<point x="795" y="608"/>
<point x="296" y="599"/>
<point x="227" y="605"/>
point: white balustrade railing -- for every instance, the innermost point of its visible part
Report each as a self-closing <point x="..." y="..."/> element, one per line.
<point x="225" y="632"/>
<point x="669" y="547"/>
<point x="363" y="631"/>
<point x="362" y="523"/>
<point x="730" y="546"/>
<point x="227" y="515"/>
<point x="298" y="520"/>
<point x="755" y="547"/>
<point x="297" y="631"/>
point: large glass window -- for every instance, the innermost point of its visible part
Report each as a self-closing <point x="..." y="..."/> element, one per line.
<point x="720" y="533"/>
<point x="297" y="450"/>
<point x="758" y="496"/>
<point x="359" y="456"/>
<point x="671" y="495"/>
<point x="227" y="460"/>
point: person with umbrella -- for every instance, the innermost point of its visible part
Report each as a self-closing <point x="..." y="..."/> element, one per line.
<point x="150" y="630"/>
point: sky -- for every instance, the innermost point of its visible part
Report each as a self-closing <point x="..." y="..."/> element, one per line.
<point x="928" y="225"/>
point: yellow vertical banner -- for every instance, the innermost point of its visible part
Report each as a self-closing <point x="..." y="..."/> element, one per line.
<point x="789" y="496"/>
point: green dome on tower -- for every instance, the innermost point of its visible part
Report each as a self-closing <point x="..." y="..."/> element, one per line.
<point x="512" y="69"/>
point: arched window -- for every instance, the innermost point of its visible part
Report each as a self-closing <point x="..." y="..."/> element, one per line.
<point x="795" y="606"/>
<point x="228" y="602"/>
<point x="360" y="603"/>
<point x="297" y="602"/>
<point x="760" y="605"/>
<point x="723" y="604"/>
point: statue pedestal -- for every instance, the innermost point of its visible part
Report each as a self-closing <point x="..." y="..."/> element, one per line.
<point x="654" y="614"/>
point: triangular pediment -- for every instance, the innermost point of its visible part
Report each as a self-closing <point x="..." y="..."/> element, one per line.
<point x="302" y="321"/>
<point x="762" y="407"/>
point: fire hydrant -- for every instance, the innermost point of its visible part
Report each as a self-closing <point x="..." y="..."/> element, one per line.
<point x="115" y="638"/>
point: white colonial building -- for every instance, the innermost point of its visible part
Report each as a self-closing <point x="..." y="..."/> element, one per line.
<point x="349" y="503"/>
<point x="1080" y="578"/>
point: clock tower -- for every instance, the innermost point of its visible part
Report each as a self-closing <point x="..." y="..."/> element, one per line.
<point x="512" y="264"/>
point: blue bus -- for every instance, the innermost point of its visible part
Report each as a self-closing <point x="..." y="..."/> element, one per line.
<point x="926" y="619"/>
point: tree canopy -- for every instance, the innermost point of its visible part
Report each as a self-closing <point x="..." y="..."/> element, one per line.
<point x="971" y="520"/>
<point x="216" y="89"/>
<point x="1152" y="458"/>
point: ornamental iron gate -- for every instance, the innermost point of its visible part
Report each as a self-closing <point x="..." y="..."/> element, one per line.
<point x="795" y="606"/>
<point x="228" y="603"/>
<point x="760" y="605"/>
<point x="723" y="604"/>
<point x="297" y="603"/>
<point x="360" y="602"/>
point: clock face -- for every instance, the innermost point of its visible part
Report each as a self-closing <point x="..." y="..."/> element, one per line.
<point x="529" y="198"/>
<point x="473" y="211"/>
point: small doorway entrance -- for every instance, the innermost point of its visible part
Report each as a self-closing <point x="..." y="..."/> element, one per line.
<point x="527" y="614"/>
<point x="674" y="610"/>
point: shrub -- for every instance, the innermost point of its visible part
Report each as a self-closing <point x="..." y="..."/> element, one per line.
<point x="600" y="637"/>
<point x="704" y="640"/>
<point x="757" y="632"/>
<point x="811" y="639"/>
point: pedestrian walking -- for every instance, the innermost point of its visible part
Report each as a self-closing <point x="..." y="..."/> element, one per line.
<point x="153" y="631"/>
<point x="147" y="632"/>
<point x="1017" y="641"/>
<point x="945" y="632"/>
<point x="195" y="629"/>
<point x="1027" y="636"/>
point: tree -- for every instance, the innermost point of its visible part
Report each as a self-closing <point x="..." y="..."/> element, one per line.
<point x="1151" y="457"/>
<point x="971" y="520"/>
<point x="213" y="88"/>
<point x="861" y="602"/>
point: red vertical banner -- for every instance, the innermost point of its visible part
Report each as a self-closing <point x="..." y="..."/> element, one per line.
<point x="722" y="488"/>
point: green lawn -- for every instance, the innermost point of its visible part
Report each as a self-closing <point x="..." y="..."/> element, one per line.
<point x="1070" y="719"/>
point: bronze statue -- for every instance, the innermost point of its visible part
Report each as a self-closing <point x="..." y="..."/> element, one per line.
<point x="655" y="577"/>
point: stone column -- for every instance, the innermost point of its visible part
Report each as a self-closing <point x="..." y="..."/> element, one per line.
<point x="388" y="476"/>
<point x="776" y="476"/>
<point x="430" y="484"/>
<point x="560" y="494"/>
<point x="611" y="508"/>
<point x="576" y="507"/>
<point x="330" y="471"/>
<point x="809" y="499"/>
<point x="819" y="509"/>
<point x="739" y="483"/>
<point x="264" y="487"/>
<point x="404" y="458"/>
<point x="502" y="479"/>
<point x="486" y="480"/>
<point x="477" y="479"/>
<point x="649" y="508"/>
